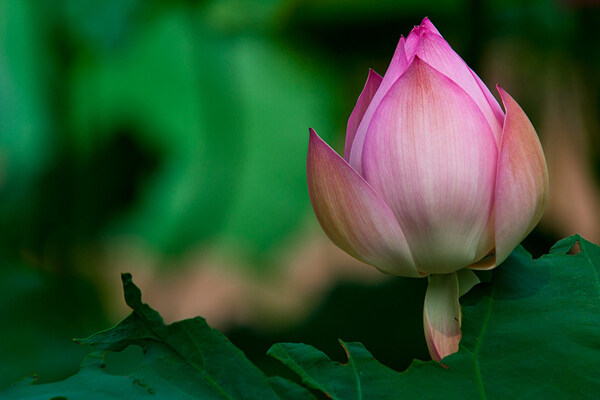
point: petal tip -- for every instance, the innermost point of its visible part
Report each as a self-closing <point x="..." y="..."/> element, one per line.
<point x="314" y="142"/>
<point x="426" y="26"/>
<point x="503" y="95"/>
<point x="373" y="78"/>
<point x="312" y="135"/>
<point x="419" y="65"/>
<point x="417" y="62"/>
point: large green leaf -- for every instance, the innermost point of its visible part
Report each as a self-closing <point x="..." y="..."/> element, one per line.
<point x="534" y="332"/>
<point x="184" y="360"/>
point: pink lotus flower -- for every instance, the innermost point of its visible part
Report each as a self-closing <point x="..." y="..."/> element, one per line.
<point x="436" y="179"/>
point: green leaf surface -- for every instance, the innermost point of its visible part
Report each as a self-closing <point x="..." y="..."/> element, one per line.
<point x="534" y="332"/>
<point x="184" y="360"/>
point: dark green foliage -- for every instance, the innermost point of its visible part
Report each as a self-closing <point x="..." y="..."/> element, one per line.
<point x="533" y="332"/>
<point x="184" y="360"/>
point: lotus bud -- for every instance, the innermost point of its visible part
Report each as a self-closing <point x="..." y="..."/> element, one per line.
<point x="436" y="179"/>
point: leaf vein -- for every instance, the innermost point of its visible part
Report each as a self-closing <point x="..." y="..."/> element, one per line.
<point x="306" y="378"/>
<point x="202" y="372"/>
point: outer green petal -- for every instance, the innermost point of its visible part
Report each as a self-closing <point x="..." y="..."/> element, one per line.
<point x="466" y="281"/>
<point x="441" y="316"/>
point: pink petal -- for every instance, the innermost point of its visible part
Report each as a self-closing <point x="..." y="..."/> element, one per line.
<point x="441" y="316"/>
<point x="352" y="214"/>
<point x="371" y="86"/>
<point x="433" y="49"/>
<point x="486" y="253"/>
<point x="415" y="33"/>
<point x="490" y="98"/>
<point x="397" y="67"/>
<point x="522" y="181"/>
<point x="426" y="23"/>
<point x="430" y="154"/>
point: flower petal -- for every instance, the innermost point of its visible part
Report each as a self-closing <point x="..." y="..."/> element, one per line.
<point x="466" y="281"/>
<point x="426" y="23"/>
<point x="352" y="214"/>
<point x="486" y="252"/>
<point x="497" y="110"/>
<point x="441" y="316"/>
<point x="522" y="180"/>
<point x="430" y="154"/>
<point x="415" y="33"/>
<point x="397" y="67"/>
<point x="433" y="49"/>
<point x="371" y="86"/>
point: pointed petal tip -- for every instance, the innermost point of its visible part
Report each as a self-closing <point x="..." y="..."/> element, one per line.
<point x="358" y="114"/>
<point x="315" y="142"/>
<point x="313" y="136"/>
<point x="426" y="26"/>
<point x="503" y="95"/>
<point x="417" y="62"/>
<point x="424" y="70"/>
<point x="421" y="63"/>
<point x="373" y="75"/>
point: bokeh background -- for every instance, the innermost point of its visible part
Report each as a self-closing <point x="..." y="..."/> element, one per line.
<point x="168" y="139"/>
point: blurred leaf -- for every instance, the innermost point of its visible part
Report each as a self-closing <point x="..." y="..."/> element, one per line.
<point x="171" y="84"/>
<point x="281" y="94"/>
<point x="184" y="360"/>
<point x="244" y="15"/>
<point x="358" y="9"/>
<point x="532" y="333"/>
<point x="103" y="23"/>
<point x="24" y="122"/>
<point x="547" y="25"/>
<point x="221" y="110"/>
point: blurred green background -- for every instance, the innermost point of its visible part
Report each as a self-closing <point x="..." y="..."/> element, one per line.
<point x="168" y="139"/>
